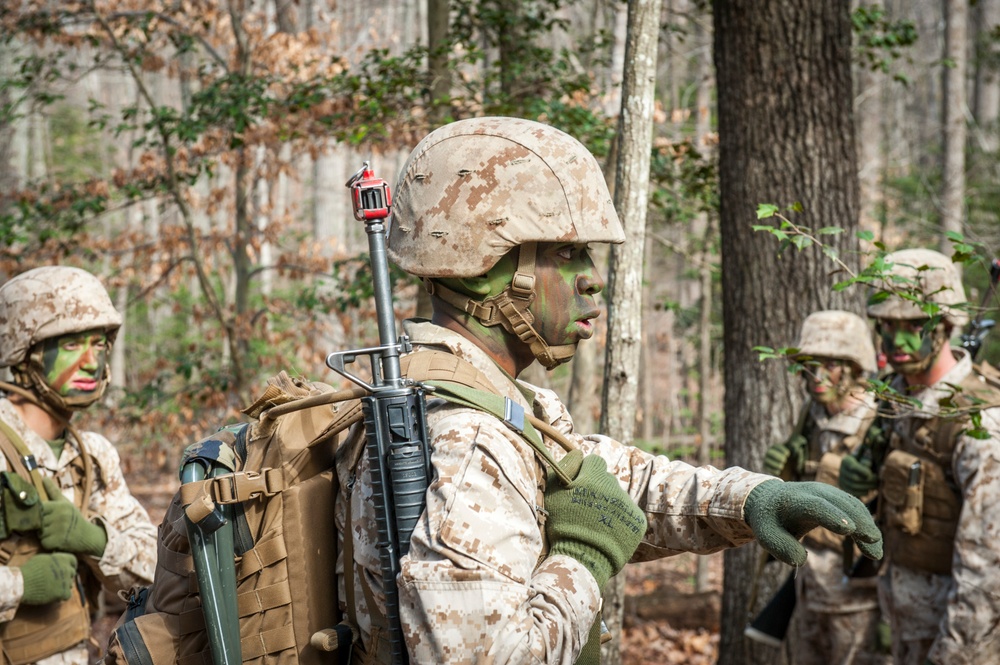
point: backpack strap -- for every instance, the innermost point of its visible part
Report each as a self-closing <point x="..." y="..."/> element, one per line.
<point x="460" y="382"/>
<point x="20" y="458"/>
<point x="511" y="413"/>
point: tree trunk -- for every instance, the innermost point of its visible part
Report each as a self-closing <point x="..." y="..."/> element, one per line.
<point x="786" y="133"/>
<point x="437" y="64"/>
<point x="621" y="367"/>
<point x="871" y="157"/>
<point x="702" y="128"/>
<point x="987" y="96"/>
<point x="954" y="134"/>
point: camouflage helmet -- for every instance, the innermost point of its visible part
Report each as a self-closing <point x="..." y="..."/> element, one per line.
<point x="840" y="335"/>
<point x="474" y="189"/>
<point x="50" y="302"/>
<point x="925" y="272"/>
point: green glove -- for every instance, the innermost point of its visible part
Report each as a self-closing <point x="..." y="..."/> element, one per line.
<point x="65" y="530"/>
<point x="22" y="507"/>
<point x="856" y="477"/>
<point x="883" y="637"/>
<point x="48" y="578"/>
<point x="779" y="513"/>
<point x="592" y="520"/>
<point x="778" y="456"/>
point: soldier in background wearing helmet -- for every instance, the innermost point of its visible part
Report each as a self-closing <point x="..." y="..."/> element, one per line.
<point x="938" y="486"/>
<point x="835" y="621"/>
<point x="69" y="523"/>
<point x="507" y="566"/>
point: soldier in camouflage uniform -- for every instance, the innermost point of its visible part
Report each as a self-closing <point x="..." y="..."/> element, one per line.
<point x="836" y="619"/>
<point x="507" y="565"/>
<point x="939" y="478"/>
<point x="69" y="524"/>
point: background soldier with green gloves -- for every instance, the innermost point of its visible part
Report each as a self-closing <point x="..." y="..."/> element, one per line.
<point x="938" y="480"/>
<point x="508" y="561"/>
<point x="68" y="524"/>
<point x="835" y="619"/>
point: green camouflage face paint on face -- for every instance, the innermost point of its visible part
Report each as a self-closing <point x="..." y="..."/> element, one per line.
<point x="75" y="364"/>
<point x="905" y="341"/>
<point x="909" y="347"/>
<point x="566" y="281"/>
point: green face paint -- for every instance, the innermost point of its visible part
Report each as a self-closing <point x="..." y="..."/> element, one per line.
<point x="75" y="364"/>
<point x="909" y="347"/>
<point x="904" y="341"/>
<point x="566" y="281"/>
<point x="829" y="379"/>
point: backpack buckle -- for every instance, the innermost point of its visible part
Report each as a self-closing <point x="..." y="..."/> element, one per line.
<point x="246" y="485"/>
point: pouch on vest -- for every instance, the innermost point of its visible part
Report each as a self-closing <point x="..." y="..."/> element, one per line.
<point x="22" y="508"/>
<point x="902" y="492"/>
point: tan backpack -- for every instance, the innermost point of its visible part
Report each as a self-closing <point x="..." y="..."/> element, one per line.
<point x="282" y="487"/>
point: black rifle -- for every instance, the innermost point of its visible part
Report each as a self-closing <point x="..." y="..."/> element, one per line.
<point x="771" y="623"/>
<point x="394" y="412"/>
<point x="978" y="328"/>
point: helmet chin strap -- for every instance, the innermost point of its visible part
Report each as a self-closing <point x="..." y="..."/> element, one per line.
<point x="30" y="375"/>
<point x="509" y="309"/>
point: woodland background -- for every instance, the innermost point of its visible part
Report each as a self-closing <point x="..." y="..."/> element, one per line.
<point x="193" y="153"/>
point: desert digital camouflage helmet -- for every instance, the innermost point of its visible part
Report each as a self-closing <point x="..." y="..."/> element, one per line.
<point x="473" y="190"/>
<point x="927" y="274"/>
<point x="839" y="335"/>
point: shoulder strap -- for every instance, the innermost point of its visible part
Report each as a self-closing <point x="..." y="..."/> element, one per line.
<point x="21" y="460"/>
<point x="460" y="382"/>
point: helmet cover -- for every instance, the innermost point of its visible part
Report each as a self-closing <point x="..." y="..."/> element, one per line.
<point x="474" y="189"/>
<point x="839" y="335"/>
<point x="921" y="272"/>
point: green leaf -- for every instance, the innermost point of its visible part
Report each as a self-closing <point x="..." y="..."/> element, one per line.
<point x="865" y="235"/>
<point x="802" y="241"/>
<point x="766" y="210"/>
<point x="830" y="252"/>
<point x="830" y="231"/>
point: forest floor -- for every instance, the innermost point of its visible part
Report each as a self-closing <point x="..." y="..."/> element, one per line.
<point x="667" y="621"/>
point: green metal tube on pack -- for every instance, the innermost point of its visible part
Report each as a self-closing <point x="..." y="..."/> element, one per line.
<point x="975" y="333"/>
<point x="395" y="417"/>
<point x="213" y="554"/>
